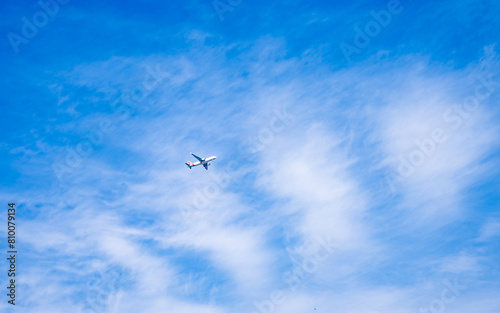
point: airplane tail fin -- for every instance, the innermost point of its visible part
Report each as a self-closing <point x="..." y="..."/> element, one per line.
<point x="189" y="164"/>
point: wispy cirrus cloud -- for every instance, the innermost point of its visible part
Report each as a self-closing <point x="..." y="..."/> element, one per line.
<point x="313" y="180"/>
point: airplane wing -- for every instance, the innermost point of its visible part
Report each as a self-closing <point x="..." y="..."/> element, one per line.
<point x="197" y="157"/>
<point x="205" y="166"/>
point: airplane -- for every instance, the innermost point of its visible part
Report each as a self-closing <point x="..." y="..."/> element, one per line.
<point x="201" y="161"/>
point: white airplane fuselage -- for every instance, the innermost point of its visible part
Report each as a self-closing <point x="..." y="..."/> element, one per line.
<point x="202" y="161"/>
<point x="205" y="160"/>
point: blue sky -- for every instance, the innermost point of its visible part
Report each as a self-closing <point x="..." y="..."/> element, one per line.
<point x="357" y="154"/>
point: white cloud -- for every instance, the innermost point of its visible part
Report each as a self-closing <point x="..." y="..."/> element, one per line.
<point x="462" y="263"/>
<point x="311" y="180"/>
<point x="309" y="170"/>
<point x="489" y="231"/>
<point x="433" y="146"/>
